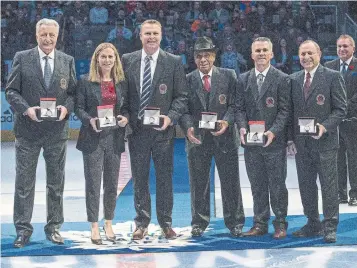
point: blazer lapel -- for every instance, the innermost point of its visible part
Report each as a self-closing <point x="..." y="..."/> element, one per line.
<point x="269" y="79"/>
<point x="97" y="92"/>
<point x="38" y="70"/>
<point x="198" y="85"/>
<point x="58" y="65"/>
<point x="159" y="70"/>
<point x="214" y="84"/>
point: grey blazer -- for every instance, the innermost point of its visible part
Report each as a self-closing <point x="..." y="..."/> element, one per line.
<point x="221" y="101"/>
<point x="351" y="84"/>
<point x="326" y="102"/>
<point x="26" y="86"/>
<point x="272" y="105"/>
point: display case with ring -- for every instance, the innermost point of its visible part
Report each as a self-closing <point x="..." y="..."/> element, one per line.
<point x="209" y="121"/>
<point x="106" y="117"/>
<point x="151" y="117"/>
<point x="307" y="126"/>
<point x="48" y="110"/>
<point x="255" y="135"/>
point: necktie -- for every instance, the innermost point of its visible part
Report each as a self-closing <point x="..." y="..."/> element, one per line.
<point x="307" y="85"/>
<point x="47" y="72"/>
<point x="344" y="68"/>
<point x="206" y="83"/>
<point x="260" y="80"/>
<point x="146" y="88"/>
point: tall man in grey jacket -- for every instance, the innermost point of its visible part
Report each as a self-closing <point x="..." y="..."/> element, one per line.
<point x="265" y="97"/>
<point x="154" y="78"/>
<point x="346" y="64"/>
<point x="317" y="92"/>
<point x="41" y="72"/>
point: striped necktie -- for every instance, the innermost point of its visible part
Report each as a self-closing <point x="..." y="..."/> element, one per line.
<point x="146" y="87"/>
<point x="344" y="68"/>
<point x="47" y="72"/>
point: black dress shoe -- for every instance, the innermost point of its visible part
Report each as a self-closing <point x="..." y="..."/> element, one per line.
<point x="55" y="237"/>
<point x="330" y="237"/>
<point x="353" y="201"/>
<point x="169" y="233"/>
<point x="236" y="231"/>
<point x="139" y="233"/>
<point x="109" y="238"/>
<point x="22" y="239"/>
<point x="256" y="231"/>
<point x="197" y="231"/>
<point x="308" y="231"/>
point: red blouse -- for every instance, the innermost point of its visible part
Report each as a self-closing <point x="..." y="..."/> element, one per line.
<point x="109" y="96"/>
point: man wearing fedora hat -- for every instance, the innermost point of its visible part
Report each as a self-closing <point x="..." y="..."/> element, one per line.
<point x="212" y="90"/>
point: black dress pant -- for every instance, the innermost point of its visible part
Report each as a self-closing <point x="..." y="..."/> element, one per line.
<point x="199" y="163"/>
<point x="144" y="144"/>
<point x="310" y="163"/>
<point x="266" y="171"/>
<point x="347" y="159"/>
<point x="27" y="153"/>
<point x="102" y="161"/>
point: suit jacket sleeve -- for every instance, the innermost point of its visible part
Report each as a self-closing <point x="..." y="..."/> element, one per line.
<point x="241" y="115"/>
<point x="180" y="94"/>
<point x="284" y="105"/>
<point x="71" y="90"/>
<point x="229" y="116"/>
<point x="81" y="103"/>
<point x="338" y="102"/>
<point x="186" y="121"/>
<point x="13" y="87"/>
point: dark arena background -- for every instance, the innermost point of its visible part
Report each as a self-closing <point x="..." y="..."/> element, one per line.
<point x="84" y="25"/>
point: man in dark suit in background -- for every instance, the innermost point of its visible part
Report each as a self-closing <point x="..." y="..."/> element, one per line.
<point x="265" y="96"/>
<point x="41" y="72"/>
<point x="347" y="65"/>
<point x="156" y="79"/>
<point x="317" y="92"/>
<point x="212" y="89"/>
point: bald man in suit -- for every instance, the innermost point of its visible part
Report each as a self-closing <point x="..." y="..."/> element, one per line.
<point x="347" y="65"/>
<point x="167" y="91"/>
<point x="41" y="72"/>
<point x="317" y="92"/>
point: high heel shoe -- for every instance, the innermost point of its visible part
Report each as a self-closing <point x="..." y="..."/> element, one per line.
<point x="109" y="238"/>
<point x="96" y="241"/>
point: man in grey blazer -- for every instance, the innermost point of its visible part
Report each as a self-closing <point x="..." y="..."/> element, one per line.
<point x="265" y="97"/>
<point x="163" y="86"/>
<point x="41" y="72"/>
<point x="212" y="89"/>
<point x="347" y="65"/>
<point x="317" y="92"/>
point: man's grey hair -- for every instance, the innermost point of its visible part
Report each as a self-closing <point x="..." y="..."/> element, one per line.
<point x="46" y="22"/>
<point x="263" y="39"/>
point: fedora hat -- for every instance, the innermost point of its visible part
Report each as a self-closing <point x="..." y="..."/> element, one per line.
<point x="204" y="44"/>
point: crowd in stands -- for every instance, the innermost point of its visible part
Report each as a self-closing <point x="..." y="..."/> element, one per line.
<point x="232" y="26"/>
